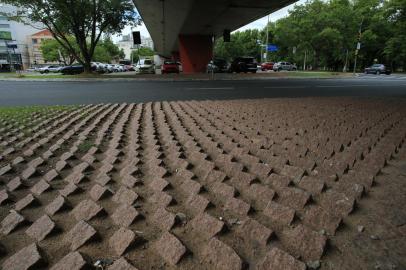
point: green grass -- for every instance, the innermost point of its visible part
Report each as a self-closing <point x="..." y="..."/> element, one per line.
<point x="315" y="74"/>
<point x="294" y="74"/>
<point x="54" y="76"/>
<point x="85" y="146"/>
<point x="23" y="115"/>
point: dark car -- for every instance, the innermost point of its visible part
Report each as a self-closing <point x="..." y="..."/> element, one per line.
<point x="267" y="66"/>
<point x="378" y="69"/>
<point x="244" y="64"/>
<point x="170" y="67"/>
<point x="74" y="69"/>
<point x="217" y="66"/>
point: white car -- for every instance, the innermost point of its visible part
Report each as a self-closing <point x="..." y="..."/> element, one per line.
<point x="284" y="66"/>
<point x="145" y="66"/>
<point x="48" y="69"/>
<point x="118" y="68"/>
<point x="110" y="68"/>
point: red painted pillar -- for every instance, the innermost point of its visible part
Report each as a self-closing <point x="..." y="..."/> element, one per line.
<point x="175" y="56"/>
<point x="195" y="52"/>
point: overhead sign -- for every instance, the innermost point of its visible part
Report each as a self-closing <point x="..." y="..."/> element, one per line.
<point x="11" y="45"/>
<point x="272" y="48"/>
<point x="5" y="35"/>
<point x="137" y="37"/>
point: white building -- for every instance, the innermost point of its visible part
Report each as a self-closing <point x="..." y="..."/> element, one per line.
<point x="126" y="43"/>
<point x="13" y="34"/>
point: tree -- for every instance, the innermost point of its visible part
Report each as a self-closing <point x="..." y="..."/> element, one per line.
<point x="106" y="51"/>
<point x="52" y="51"/>
<point x="395" y="46"/>
<point x="142" y="51"/>
<point x="85" y="20"/>
<point x="243" y="43"/>
<point x="328" y="32"/>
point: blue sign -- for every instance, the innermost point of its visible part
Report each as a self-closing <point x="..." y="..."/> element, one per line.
<point x="272" y="48"/>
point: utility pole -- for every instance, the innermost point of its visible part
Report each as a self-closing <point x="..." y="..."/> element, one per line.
<point x="267" y="40"/>
<point x="346" y="62"/>
<point x="304" y="62"/>
<point x="212" y="56"/>
<point x="358" y="45"/>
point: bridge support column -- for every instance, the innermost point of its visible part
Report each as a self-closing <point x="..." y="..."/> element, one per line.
<point x="195" y="52"/>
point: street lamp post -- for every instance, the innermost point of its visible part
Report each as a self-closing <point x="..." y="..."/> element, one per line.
<point x="358" y="45"/>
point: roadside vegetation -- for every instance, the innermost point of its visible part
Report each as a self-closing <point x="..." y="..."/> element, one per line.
<point x="20" y="122"/>
<point x="326" y="33"/>
<point x="85" y="21"/>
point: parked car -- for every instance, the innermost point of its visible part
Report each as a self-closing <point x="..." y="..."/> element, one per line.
<point x="118" y="68"/>
<point x="378" y="69"/>
<point x="129" y="67"/>
<point x="109" y="68"/>
<point x="145" y="66"/>
<point x="170" y="67"/>
<point x="243" y="64"/>
<point x="267" y="66"/>
<point x="73" y="69"/>
<point x="48" y="69"/>
<point x="217" y="66"/>
<point x="284" y="66"/>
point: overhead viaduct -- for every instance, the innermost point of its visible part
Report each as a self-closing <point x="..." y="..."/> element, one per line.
<point x="184" y="29"/>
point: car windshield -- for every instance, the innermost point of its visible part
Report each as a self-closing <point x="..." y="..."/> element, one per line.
<point x="147" y="62"/>
<point x="219" y="62"/>
<point x="376" y="65"/>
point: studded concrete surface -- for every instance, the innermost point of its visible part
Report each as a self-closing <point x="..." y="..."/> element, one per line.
<point x="253" y="184"/>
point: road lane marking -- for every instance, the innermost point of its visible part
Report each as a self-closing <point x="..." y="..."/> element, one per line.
<point x="210" y="88"/>
<point x="342" y="86"/>
<point x="276" y="87"/>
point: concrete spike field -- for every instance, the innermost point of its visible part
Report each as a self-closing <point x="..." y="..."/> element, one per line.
<point x="281" y="184"/>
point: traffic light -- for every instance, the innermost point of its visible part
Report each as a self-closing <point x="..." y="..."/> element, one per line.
<point x="137" y="38"/>
<point x="227" y="35"/>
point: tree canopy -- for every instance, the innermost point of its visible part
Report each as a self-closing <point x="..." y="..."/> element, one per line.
<point x="327" y="32"/>
<point x="86" y="21"/>
<point x="142" y="51"/>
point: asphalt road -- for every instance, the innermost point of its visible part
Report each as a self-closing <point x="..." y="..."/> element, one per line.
<point x="14" y="93"/>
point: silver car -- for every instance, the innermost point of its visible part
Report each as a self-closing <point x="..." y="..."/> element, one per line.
<point x="279" y="66"/>
<point x="48" y="69"/>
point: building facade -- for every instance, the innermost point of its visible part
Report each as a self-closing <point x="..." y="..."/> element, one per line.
<point x="13" y="41"/>
<point x="34" y="47"/>
<point x="127" y="44"/>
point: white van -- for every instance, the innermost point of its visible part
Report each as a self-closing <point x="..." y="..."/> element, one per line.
<point x="145" y="66"/>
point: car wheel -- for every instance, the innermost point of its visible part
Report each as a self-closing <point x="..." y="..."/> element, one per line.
<point x="46" y="71"/>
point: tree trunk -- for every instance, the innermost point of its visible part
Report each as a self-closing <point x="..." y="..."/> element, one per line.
<point x="87" y="66"/>
<point x="316" y="61"/>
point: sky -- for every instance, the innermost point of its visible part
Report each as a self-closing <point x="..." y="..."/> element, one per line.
<point x="258" y="24"/>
